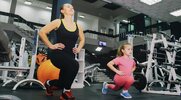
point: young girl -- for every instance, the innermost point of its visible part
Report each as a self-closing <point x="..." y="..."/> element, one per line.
<point x="124" y="74"/>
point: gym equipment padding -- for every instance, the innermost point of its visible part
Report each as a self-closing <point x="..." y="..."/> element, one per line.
<point x="47" y="71"/>
<point x="5" y="50"/>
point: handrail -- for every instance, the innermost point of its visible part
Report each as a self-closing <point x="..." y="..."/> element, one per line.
<point x="99" y="33"/>
<point x="121" y="35"/>
<point x="32" y="25"/>
<point x="90" y="70"/>
<point x="18" y="18"/>
<point x="92" y="66"/>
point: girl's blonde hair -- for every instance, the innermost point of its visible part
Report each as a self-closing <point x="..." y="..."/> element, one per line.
<point x="121" y="47"/>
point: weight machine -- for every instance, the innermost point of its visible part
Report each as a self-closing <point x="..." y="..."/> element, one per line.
<point x="151" y="73"/>
<point x="170" y="69"/>
<point x="21" y="68"/>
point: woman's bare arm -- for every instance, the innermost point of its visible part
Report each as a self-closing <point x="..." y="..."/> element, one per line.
<point x="81" y="40"/>
<point x="46" y="30"/>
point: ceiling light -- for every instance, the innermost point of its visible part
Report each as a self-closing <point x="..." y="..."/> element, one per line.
<point x="150" y="2"/>
<point x="126" y="21"/>
<point x="27" y="2"/>
<point x="82" y="16"/>
<point x="140" y="32"/>
<point x="107" y="1"/>
<point x="176" y="13"/>
<point x="98" y="48"/>
<point x="159" y="21"/>
<point x="135" y="11"/>
<point x="50" y="8"/>
<point x="93" y="54"/>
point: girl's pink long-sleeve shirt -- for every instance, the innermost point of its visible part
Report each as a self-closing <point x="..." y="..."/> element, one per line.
<point x="125" y="64"/>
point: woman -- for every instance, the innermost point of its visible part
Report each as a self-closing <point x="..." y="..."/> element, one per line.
<point x="63" y="52"/>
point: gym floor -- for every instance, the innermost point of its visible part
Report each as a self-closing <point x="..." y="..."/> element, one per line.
<point x="92" y="92"/>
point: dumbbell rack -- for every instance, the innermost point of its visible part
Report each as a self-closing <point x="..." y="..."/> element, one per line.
<point x="172" y="74"/>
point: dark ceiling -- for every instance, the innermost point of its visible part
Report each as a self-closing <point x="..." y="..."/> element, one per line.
<point x="123" y="9"/>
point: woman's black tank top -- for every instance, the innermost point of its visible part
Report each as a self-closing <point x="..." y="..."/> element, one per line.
<point x="68" y="38"/>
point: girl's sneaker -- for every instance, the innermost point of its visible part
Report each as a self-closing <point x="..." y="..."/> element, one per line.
<point x="126" y="95"/>
<point x="104" y="88"/>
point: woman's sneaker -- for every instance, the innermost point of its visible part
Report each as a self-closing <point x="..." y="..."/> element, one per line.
<point x="104" y="88"/>
<point x="126" y="95"/>
<point x="49" y="91"/>
<point x="67" y="95"/>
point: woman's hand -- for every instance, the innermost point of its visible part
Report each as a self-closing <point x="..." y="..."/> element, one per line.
<point x="76" y="50"/>
<point x="121" y="73"/>
<point x="59" y="46"/>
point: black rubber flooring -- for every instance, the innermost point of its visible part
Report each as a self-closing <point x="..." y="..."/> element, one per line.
<point x="92" y="92"/>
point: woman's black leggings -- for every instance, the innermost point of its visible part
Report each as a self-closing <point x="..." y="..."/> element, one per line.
<point x="68" y="69"/>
